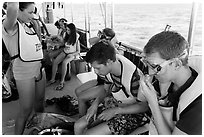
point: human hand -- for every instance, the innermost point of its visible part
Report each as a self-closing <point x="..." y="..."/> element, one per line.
<point x="67" y="48"/>
<point x="92" y="111"/>
<point x="50" y="45"/>
<point x="147" y="89"/>
<point x="108" y="114"/>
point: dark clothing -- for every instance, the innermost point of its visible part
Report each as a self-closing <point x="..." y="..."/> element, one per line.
<point x="117" y="83"/>
<point x="190" y="120"/>
<point x="100" y="80"/>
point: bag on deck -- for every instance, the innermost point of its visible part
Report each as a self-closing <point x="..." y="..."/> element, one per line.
<point x="50" y="124"/>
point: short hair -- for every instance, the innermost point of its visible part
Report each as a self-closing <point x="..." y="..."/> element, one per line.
<point x="24" y="5"/>
<point x="169" y="45"/>
<point x="62" y="19"/>
<point x="109" y="32"/>
<point x="101" y="52"/>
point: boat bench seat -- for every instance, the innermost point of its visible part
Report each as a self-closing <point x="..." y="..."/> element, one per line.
<point x="87" y="76"/>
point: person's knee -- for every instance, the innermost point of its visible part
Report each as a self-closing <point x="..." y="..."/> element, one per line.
<point x="80" y="125"/>
<point x="78" y="91"/>
<point x="83" y="98"/>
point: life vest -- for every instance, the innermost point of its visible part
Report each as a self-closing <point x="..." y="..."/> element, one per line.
<point x="127" y="68"/>
<point x="187" y="97"/>
<point x="195" y="89"/>
<point x="29" y="46"/>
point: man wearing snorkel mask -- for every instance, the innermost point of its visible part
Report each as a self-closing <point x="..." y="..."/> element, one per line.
<point x="179" y="77"/>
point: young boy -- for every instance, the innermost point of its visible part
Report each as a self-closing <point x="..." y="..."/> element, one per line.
<point x="166" y="54"/>
<point x="124" y="113"/>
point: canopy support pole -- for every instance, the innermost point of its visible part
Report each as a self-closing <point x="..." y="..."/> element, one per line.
<point x="112" y="15"/>
<point x="192" y="26"/>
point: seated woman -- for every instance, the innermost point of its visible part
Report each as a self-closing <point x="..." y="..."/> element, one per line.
<point x="56" y="42"/>
<point x="71" y="49"/>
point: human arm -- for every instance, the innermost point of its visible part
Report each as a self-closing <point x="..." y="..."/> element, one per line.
<point x="94" y="107"/>
<point x="11" y="17"/>
<point x="138" y="107"/>
<point x="151" y="97"/>
<point x="36" y="27"/>
<point x="77" y="48"/>
<point x="94" y="40"/>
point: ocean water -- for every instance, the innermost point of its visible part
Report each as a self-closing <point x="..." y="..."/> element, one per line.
<point x="135" y="24"/>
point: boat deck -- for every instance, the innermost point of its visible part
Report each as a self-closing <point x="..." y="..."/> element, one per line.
<point x="10" y="109"/>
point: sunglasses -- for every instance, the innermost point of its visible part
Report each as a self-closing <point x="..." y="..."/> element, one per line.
<point x="156" y="67"/>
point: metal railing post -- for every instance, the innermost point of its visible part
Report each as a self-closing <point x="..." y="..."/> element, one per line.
<point x="112" y="15"/>
<point x="192" y="26"/>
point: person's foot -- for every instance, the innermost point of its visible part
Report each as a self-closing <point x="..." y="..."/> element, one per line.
<point x="50" y="82"/>
<point x="60" y="86"/>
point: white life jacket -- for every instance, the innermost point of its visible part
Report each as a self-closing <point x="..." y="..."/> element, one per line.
<point x="186" y="97"/>
<point x="29" y="45"/>
<point x="128" y="68"/>
<point x="195" y="89"/>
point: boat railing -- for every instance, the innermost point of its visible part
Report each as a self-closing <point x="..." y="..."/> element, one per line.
<point x="82" y="30"/>
<point x="133" y="53"/>
<point x="129" y="48"/>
